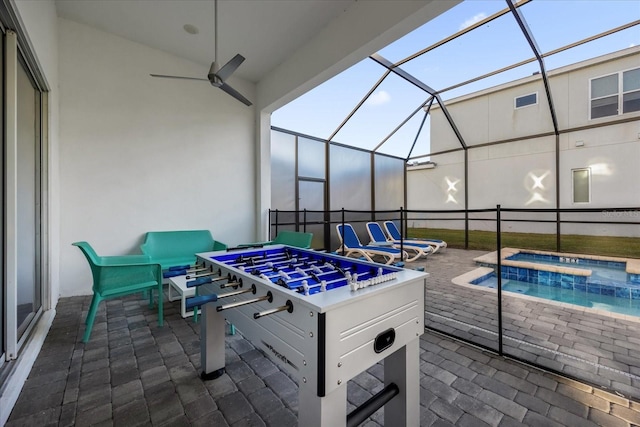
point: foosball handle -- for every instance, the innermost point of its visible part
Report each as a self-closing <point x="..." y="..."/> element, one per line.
<point x="173" y="273"/>
<point x="199" y="300"/>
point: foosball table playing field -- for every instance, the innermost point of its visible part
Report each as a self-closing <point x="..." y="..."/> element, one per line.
<point x="321" y="317"/>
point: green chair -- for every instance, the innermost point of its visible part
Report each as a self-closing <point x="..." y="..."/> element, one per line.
<point x="116" y="276"/>
<point x="287" y="237"/>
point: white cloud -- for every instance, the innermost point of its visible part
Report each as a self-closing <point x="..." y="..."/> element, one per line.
<point x="379" y="98"/>
<point x="469" y="22"/>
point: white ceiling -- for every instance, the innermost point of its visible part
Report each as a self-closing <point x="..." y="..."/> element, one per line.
<point x="265" y="32"/>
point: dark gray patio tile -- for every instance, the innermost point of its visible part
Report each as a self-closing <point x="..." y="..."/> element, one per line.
<point x="440" y="389"/>
<point x="437" y="373"/>
<point x="495" y="386"/>
<point x="163" y="405"/>
<point x="563" y="402"/>
<point x="200" y="407"/>
<point x="97" y="395"/>
<point x="239" y="371"/>
<point x="282" y="418"/>
<point x="234" y="407"/>
<point x="48" y="417"/>
<point x="503" y="405"/>
<point x="480" y="411"/>
<point x="281" y="384"/>
<point x="265" y="402"/>
<point x="532" y="403"/>
<point x="466" y="387"/>
<point x="446" y="411"/>
<point x="515" y="382"/>
<point x="467" y="420"/>
<point x="567" y="418"/>
<point x="262" y="366"/>
<point x="127" y="392"/>
<point x="134" y="413"/>
<point x="250" y="385"/>
<point x="94" y="415"/>
<point x="251" y="420"/>
<point x="220" y="386"/>
<point x="458" y="370"/>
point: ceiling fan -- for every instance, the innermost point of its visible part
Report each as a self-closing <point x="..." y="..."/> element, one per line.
<point x="217" y="76"/>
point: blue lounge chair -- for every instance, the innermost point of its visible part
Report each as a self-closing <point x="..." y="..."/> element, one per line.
<point x="394" y="234"/>
<point x="351" y="243"/>
<point x="379" y="238"/>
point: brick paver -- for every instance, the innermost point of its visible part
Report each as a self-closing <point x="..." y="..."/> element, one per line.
<point x="134" y="373"/>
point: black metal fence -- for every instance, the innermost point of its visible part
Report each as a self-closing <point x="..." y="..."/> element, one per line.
<point x="587" y="341"/>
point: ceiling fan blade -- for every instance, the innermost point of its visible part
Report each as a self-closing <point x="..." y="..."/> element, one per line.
<point x="228" y="68"/>
<point x="177" y="77"/>
<point x="231" y="91"/>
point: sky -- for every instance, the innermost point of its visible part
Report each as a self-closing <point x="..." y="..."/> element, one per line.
<point x="554" y="23"/>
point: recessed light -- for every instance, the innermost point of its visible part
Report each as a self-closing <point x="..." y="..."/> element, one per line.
<point x="191" y="29"/>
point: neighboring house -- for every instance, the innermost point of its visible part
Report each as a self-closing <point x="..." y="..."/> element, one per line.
<point x="512" y="146"/>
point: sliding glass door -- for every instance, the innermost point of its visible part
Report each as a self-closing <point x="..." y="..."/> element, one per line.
<point x="29" y="284"/>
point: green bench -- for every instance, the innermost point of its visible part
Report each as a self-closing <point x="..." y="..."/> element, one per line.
<point x="177" y="248"/>
<point x="172" y="249"/>
<point x="287" y="237"/>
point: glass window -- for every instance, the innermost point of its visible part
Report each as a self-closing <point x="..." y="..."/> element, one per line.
<point x="581" y="185"/>
<point x="631" y="91"/>
<point x="604" y="86"/>
<point x="608" y="100"/>
<point x="525" y="100"/>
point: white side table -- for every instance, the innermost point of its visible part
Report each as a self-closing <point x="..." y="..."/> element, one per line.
<point x="179" y="284"/>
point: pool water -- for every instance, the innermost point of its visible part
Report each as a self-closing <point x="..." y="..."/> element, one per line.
<point x="571" y="296"/>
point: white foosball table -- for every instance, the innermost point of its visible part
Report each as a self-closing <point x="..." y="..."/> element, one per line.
<point x="321" y="317"/>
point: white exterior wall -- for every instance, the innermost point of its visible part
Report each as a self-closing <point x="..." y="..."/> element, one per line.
<point x="139" y="153"/>
<point x="506" y="173"/>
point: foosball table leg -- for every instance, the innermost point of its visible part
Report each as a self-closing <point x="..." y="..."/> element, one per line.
<point x="402" y="368"/>
<point x="327" y="411"/>
<point x="212" y="330"/>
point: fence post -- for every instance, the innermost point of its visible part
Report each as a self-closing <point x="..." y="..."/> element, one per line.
<point x="304" y="219"/>
<point x="499" y="276"/>
<point x="402" y="228"/>
<point x="276" y="226"/>
<point x="341" y="235"/>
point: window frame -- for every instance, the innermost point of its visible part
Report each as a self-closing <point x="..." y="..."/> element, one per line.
<point x="620" y="93"/>
<point x="573" y="185"/>
<point x="515" y="101"/>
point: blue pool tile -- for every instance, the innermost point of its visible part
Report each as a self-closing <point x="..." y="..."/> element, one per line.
<point x="582" y="287"/>
<point x="623" y="292"/>
<point x="634" y="278"/>
<point x="635" y="294"/>
<point x="555" y="279"/>
<point x="608" y="290"/>
<point x="543" y="278"/>
<point x="522" y="274"/>
<point x="593" y="288"/>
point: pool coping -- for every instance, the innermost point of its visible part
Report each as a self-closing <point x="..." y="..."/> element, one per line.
<point x="632" y="264"/>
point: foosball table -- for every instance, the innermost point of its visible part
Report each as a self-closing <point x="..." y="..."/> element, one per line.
<point x="321" y="317"/>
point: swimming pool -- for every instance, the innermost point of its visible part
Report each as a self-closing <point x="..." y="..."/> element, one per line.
<point x="609" y="284"/>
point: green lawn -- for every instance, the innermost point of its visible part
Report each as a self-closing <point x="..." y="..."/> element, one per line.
<point x="628" y="247"/>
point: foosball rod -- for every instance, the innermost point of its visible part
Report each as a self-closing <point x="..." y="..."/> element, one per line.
<point x="267" y="297"/>
<point x="274" y="262"/>
<point x="288" y="307"/>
